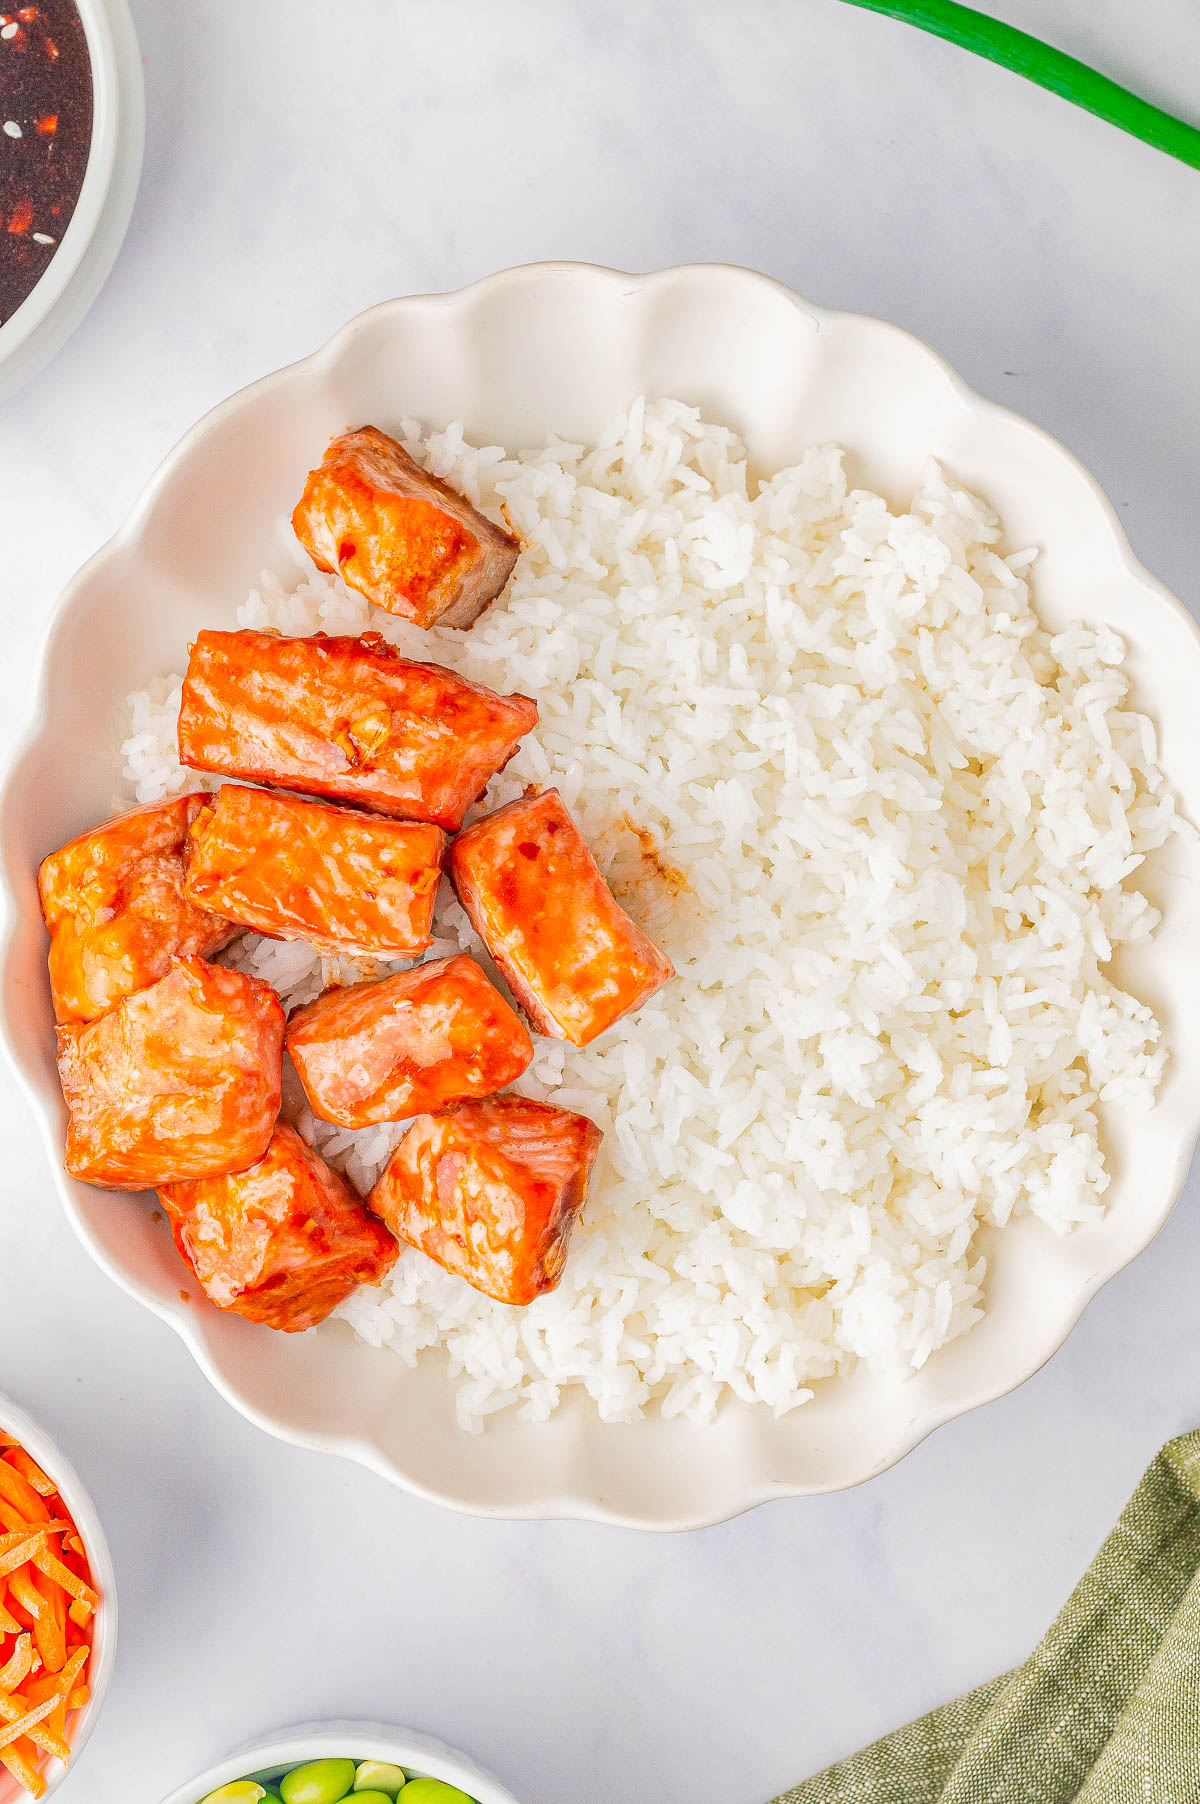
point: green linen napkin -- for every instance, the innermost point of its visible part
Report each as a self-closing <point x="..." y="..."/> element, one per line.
<point x="1105" y="1711"/>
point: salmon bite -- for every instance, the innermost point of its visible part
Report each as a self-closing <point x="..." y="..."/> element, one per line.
<point x="283" y="1242"/>
<point x="409" y="542"/>
<point x="534" y="894"/>
<point x="178" y="1081"/>
<point x="491" y="1190"/>
<point x="436" y="1034"/>
<point x="298" y="870"/>
<point x="114" y="904"/>
<point x="348" y="719"/>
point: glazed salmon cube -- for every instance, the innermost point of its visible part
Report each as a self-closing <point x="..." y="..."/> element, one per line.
<point x="349" y="719"/>
<point x="491" y="1190"/>
<point x="571" y="955"/>
<point x="403" y="538"/>
<point x="407" y="1045"/>
<point x="300" y="870"/>
<point x="114" y="905"/>
<point x="178" y="1081"/>
<point x="283" y="1242"/>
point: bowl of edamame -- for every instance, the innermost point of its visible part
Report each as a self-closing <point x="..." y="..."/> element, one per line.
<point x="344" y="1763"/>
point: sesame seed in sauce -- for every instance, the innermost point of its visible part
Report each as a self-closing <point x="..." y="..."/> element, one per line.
<point x="12" y="129"/>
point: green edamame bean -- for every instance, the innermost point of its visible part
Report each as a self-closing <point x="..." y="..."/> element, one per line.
<point x="379" y="1775"/>
<point x="369" y="1797"/>
<point x="434" y="1791"/>
<point x="238" y="1791"/>
<point x="317" y="1782"/>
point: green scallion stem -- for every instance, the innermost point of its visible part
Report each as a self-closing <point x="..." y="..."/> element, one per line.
<point x="1049" y="68"/>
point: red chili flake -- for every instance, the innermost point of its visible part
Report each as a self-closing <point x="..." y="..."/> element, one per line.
<point x="22" y="215"/>
<point x="28" y="14"/>
<point x="51" y="49"/>
<point x="47" y="125"/>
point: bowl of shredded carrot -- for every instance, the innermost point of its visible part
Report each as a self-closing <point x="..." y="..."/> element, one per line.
<point x="58" y="1620"/>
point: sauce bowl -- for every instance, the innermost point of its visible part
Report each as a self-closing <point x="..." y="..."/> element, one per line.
<point x="76" y="273"/>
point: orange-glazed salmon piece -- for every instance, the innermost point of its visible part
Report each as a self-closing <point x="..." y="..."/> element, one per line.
<point x="406" y="1045"/>
<point x="403" y="538"/>
<point x="114" y="905"/>
<point x="300" y="870"/>
<point x="491" y="1190"/>
<point x="349" y="719"/>
<point x="283" y="1242"/>
<point x="570" y="954"/>
<point x="178" y="1081"/>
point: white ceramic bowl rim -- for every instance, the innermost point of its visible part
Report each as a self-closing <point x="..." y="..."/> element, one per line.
<point x="349" y="1740"/>
<point x="923" y="1407"/>
<point x="41" y="1448"/>
<point x="42" y="299"/>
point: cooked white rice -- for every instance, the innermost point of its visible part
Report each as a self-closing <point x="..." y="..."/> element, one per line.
<point x="903" y="817"/>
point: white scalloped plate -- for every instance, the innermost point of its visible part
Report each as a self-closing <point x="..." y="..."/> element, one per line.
<point x="560" y="348"/>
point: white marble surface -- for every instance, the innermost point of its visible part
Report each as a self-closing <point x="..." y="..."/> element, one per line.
<point x="308" y="157"/>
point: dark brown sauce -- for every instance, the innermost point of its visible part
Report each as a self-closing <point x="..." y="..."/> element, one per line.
<point x="45" y="137"/>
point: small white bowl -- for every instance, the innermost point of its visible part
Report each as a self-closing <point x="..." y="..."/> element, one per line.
<point x="45" y="1453"/>
<point x="353" y="1741"/>
<point x="80" y="266"/>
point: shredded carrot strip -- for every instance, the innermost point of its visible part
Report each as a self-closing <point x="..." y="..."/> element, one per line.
<point x="30" y="1471"/>
<point x="50" y="1629"/>
<point x="66" y="1679"/>
<point x="19" y="1666"/>
<point x="20" y="1493"/>
<point x="24" y="1619"/>
<point x="54" y="1569"/>
<point x="16" y="1557"/>
<point x="47" y="1736"/>
<point x="56" y="1724"/>
<point x="47" y="1633"/>
<point x="58" y="1604"/>
<point x="15" y="1535"/>
<point x="25" y="1592"/>
<point x="23" y="1771"/>
<point x="31" y="1718"/>
<point x="16" y="1524"/>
